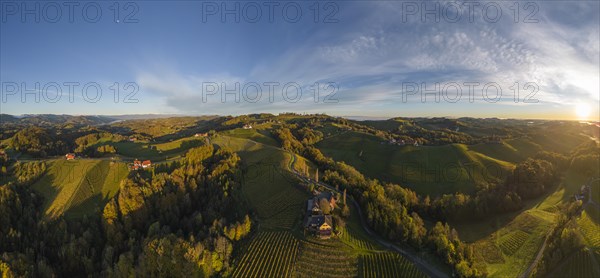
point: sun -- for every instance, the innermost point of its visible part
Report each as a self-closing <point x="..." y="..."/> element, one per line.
<point x="583" y="111"/>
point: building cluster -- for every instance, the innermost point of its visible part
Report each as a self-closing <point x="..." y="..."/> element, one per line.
<point x="583" y="193"/>
<point x="140" y="164"/>
<point x="319" y="222"/>
<point x="403" y="142"/>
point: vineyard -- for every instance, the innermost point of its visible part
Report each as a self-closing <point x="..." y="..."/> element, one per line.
<point x="284" y="219"/>
<point x="98" y="183"/>
<point x="579" y="265"/>
<point x="79" y="187"/>
<point x="351" y="238"/>
<point x="589" y="229"/>
<point x="282" y="200"/>
<point x="270" y="254"/>
<point x="388" y="264"/>
<point x="511" y="243"/>
<point x="283" y="209"/>
<point x="326" y="259"/>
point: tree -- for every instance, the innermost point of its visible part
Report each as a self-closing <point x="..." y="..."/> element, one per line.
<point x="345" y="210"/>
<point x="324" y="206"/>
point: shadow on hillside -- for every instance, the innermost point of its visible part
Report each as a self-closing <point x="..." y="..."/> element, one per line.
<point x="44" y="188"/>
<point x="477" y="230"/>
<point x="593" y="213"/>
<point x="93" y="205"/>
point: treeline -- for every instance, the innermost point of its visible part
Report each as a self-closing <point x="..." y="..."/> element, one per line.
<point x="182" y="221"/>
<point x="390" y="209"/>
<point x="91" y="144"/>
<point x="42" y="142"/>
<point x="295" y="136"/>
<point x="410" y="131"/>
<point x="38" y="142"/>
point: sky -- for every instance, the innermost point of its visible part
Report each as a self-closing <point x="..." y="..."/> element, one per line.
<point x="501" y="59"/>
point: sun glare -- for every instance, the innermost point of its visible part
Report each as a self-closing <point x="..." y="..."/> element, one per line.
<point x="583" y="111"/>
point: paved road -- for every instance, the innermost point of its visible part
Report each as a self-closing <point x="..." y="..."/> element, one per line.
<point x="420" y="263"/>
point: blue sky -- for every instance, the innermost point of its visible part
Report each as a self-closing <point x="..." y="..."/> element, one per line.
<point x="366" y="57"/>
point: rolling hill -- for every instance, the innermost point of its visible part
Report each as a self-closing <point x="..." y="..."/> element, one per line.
<point x="79" y="187"/>
<point x="429" y="170"/>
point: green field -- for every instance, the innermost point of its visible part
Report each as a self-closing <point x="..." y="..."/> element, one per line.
<point x="511" y="150"/>
<point x="254" y="134"/>
<point x="79" y="187"/>
<point x="429" y="170"/>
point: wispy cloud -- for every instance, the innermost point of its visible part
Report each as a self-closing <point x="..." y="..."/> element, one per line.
<point x="370" y="57"/>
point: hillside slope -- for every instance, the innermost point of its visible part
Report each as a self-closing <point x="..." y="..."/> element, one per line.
<point x="79" y="187"/>
<point x="429" y="170"/>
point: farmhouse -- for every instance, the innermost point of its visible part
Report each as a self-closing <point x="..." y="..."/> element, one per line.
<point x="201" y="134"/>
<point x="319" y="222"/>
<point x="70" y="156"/>
<point x="137" y="164"/>
<point x="320" y="225"/>
<point x="583" y="193"/>
<point x="247" y="126"/>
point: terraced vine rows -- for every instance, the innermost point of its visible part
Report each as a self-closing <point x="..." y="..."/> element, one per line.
<point x="590" y="230"/>
<point x="281" y="210"/>
<point x="354" y="240"/>
<point x="329" y="259"/>
<point x="511" y="243"/>
<point x="579" y="265"/>
<point x="279" y="202"/>
<point x="388" y="264"/>
<point x="283" y="219"/>
<point x="270" y="254"/>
